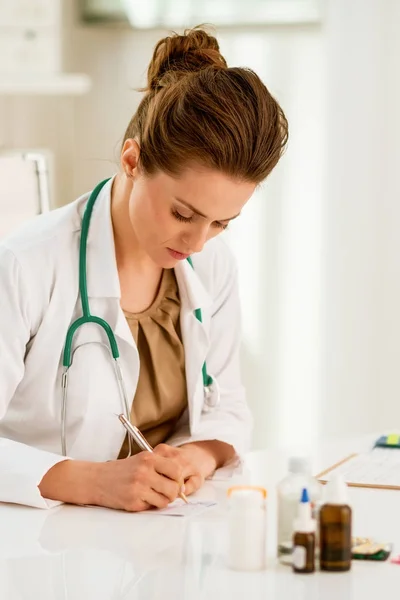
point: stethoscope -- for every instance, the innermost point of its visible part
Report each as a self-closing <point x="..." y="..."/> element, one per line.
<point x="211" y="388"/>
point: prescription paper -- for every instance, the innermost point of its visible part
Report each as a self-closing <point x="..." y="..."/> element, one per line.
<point x="181" y="509"/>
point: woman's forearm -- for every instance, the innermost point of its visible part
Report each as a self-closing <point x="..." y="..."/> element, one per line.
<point x="215" y="453"/>
<point x="71" y="481"/>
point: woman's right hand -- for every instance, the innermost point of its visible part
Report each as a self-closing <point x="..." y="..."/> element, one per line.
<point x="133" y="484"/>
<point x="139" y="482"/>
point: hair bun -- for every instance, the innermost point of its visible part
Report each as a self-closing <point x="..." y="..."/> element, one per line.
<point x="193" y="51"/>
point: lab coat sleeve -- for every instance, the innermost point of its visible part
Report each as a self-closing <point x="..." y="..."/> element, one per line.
<point x="231" y="421"/>
<point x="21" y="467"/>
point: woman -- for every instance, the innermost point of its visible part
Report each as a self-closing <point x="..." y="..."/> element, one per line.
<point x="204" y="136"/>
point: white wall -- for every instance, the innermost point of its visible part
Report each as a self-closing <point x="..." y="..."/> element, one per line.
<point x="361" y="282"/>
<point x="317" y="246"/>
<point x="324" y="348"/>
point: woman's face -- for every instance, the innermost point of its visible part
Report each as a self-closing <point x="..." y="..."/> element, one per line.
<point x="173" y="217"/>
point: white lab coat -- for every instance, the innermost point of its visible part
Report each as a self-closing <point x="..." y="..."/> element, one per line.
<point x="39" y="298"/>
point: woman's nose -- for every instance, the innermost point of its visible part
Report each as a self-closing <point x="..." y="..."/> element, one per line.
<point x="197" y="238"/>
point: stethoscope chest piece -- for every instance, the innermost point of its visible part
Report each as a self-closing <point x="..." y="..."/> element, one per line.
<point x="212" y="395"/>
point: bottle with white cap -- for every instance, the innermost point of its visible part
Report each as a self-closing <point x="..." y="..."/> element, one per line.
<point x="303" y="558"/>
<point x="247" y="525"/>
<point x="289" y="491"/>
<point x="335" y="519"/>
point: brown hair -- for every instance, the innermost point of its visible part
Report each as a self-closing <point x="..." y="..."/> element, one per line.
<point x="198" y="111"/>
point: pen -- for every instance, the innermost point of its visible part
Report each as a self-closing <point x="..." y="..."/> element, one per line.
<point x="141" y="441"/>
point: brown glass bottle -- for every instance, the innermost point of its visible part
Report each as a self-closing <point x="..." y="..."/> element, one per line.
<point x="335" y="537"/>
<point x="303" y="552"/>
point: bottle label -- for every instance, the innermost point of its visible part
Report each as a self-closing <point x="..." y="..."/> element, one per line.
<point x="299" y="557"/>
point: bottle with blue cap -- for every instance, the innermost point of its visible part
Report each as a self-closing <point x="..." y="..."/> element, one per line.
<point x="303" y="558"/>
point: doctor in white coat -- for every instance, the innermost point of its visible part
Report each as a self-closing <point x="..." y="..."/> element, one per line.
<point x="202" y="138"/>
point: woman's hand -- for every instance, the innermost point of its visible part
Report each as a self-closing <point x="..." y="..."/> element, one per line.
<point x="194" y="468"/>
<point x="139" y="482"/>
<point x="133" y="484"/>
<point x="198" y="460"/>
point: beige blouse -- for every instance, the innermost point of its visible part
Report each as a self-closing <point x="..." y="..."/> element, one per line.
<point x="161" y="395"/>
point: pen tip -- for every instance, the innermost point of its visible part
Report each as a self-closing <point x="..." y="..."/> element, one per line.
<point x="182" y="495"/>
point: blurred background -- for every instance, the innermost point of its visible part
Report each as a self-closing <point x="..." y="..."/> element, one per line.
<point x="317" y="246"/>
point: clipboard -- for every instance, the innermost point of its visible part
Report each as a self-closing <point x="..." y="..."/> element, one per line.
<point x="378" y="469"/>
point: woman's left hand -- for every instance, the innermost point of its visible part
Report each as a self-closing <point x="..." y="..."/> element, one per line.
<point x="195" y="464"/>
<point x="198" y="460"/>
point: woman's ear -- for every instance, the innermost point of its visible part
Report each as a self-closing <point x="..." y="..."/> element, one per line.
<point x="130" y="158"/>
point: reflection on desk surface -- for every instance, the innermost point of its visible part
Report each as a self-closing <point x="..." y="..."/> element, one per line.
<point x="79" y="553"/>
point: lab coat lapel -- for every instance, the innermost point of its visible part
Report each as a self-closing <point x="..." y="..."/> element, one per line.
<point x="102" y="274"/>
<point x="195" y="337"/>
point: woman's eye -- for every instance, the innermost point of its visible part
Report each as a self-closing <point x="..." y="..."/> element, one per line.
<point x="181" y="217"/>
<point x="220" y="225"/>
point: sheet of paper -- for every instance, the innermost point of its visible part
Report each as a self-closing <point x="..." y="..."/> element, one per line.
<point x="176" y="509"/>
<point x="180" y="509"/>
<point x="381" y="466"/>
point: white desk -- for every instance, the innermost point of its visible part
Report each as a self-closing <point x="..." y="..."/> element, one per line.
<point x="76" y="553"/>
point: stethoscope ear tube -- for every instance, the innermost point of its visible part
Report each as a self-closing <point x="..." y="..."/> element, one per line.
<point x="67" y="356"/>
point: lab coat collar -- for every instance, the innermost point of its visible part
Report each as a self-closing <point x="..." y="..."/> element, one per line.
<point x="192" y="292"/>
<point x="102" y="272"/>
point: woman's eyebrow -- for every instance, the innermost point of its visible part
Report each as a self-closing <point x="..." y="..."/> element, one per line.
<point x="200" y="213"/>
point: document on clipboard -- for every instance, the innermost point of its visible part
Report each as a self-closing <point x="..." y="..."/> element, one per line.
<point x="379" y="469"/>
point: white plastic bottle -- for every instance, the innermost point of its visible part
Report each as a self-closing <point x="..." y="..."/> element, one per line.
<point x="247" y="528"/>
<point x="289" y="493"/>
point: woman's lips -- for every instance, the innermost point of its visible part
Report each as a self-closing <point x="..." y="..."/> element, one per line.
<point x="177" y="255"/>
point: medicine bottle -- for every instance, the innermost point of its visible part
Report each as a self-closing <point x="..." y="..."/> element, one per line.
<point x="303" y="558"/>
<point x="335" y="519"/>
<point x="289" y="491"/>
<point x="247" y="527"/>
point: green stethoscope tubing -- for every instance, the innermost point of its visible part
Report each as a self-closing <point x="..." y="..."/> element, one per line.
<point x="86" y="316"/>
<point x="207" y="379"/>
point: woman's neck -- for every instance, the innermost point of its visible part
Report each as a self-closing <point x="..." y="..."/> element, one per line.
<point x="129" y="254"/>
<point x="139" y="276"/>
